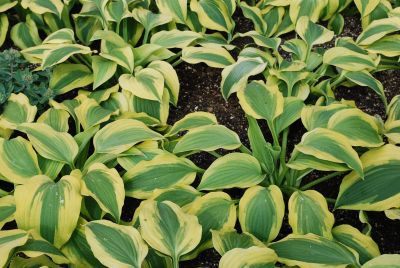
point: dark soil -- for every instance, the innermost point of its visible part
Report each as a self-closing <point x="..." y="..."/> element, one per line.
<point x="200" y="91"/>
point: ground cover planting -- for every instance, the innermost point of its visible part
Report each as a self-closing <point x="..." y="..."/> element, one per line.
<point x="199" y="133"/>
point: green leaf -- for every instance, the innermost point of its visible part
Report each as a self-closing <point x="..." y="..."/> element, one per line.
<point x="3" y="28"/>
<point x="252" y="257"/>
<point x="215" y="211"/>
<point x="348" y="59"/>
<point x="327" y="145"/>
<point x="44" y="6"/>
<point x="336" y="23"/>
<point x="353" y="238"/>
<point x="216" y="57"/>
<point x="234" y="77"/>
<point x="378" y="29"/>
<point x="180" y="195"/>
<point x="122" y="134"/>
<point x="18" y="160"/>
<point x="7" y="209"/>
<point x="318" y="116"/>
<point x="116" y="245"/>
<point x="208" y="138"/>
<point x="366" y="6"/>
<point x="254" y="14"/>
<point x="171" y="81"/>
<point x="227" y="239"/>
<point x="162" y="172"/>
<point x="147" y="84"/>
<point x="192" y="120"/>
<point x="384" y="261"/>
<point x="38" y="246"/>
<point x="174" y="38"/>
<point x="291" y="113"/>
<point x="309" y="213"/>
<point x="388" y="46"/>
<point x="213" y="14"/>
<point x="371" y="192"/>
<point x="51" y="209"/>
<point x="66" y="77"/>
<point x="312" y="33"/>
<point x="261" y="212"/>
<point x="55" y="118"/>
<point x="177" y="9"/>
<point x="148" y="19"/>
<point x="62" y="53"/>
<point x="313" y="251"/>
<point x="103" y="70"/>
<point x="106" y="187"/>
<point x="9" y="240"/>
<point x="51" y="144"/>
<point x="167" y="229"/>
<point x="25" y="34"/>
<point x="310" y="8"/>
<point x="62" y="36"/>
<point x="16" y="111"/>
<point x="123" y="56"/>
<point x="230" y="171"/>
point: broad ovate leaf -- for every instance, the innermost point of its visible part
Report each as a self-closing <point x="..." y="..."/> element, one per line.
<point x="103" y="70"/>
<point x="122" y="134"/>
<point x="192" y="120"/>
<point x="51" y="144"/>
<point x="51" y="209"/>
<point x="7" y="209"/>
<point x="234" y="170"/>
<point x="67" y="76"/>
<point x="213" y="14"/>
<point x="226" y="239"/>
<point x="261" y="212"/>
<point x="116" y="245"/>
<point x="348" y="59"/>
<point x="208" y="138"/>
<point x="378" y="29"/>
<point x="216" y="57"/>
<point x="105" y="186"/>
<point x="312" y="33"/>
<point x="17" y="110"/>
<point x="309" y="213"/>
<point x="371" y="192"/>
<point x="167" y="229"/>
<point x="177" y="9"/>
<point x="313" y="251"/>
<point x="9" y="240"/>
<point x="252" y="257"/>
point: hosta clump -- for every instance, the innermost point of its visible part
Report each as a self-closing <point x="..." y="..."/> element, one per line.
<point x="17" y="75"/>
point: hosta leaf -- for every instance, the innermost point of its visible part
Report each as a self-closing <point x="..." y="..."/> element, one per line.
<point x="234" y="77"/>
<point x="261" y="212"/>
<point x="147" y="84"/>
<point x="167" y="229"/>
<point x="62" y="36"/>
<point x="393" y="213"/>
<point x="358" y="127"/>
<point x="116" y="245"/>
<point x="336" y="23"/>
<point x="174" y="8"/>
<point x="7" y="209"/>
<point x="57" y="119"/>
<point x="25" y="34"/>
<point x="66" y="77"/>
<point x="106" y="187"/>
<point x="365" y="79"/>
<point x="208" y="138"/>
<point x="122" y="134"/>
<point x="174" y="38"/>
<point x="378" y="29"/>
<point x="155" y="111"/>
<point x="90" y="113"/>
<point x="215" y="211"/>
<point x="41" y="261"/>
<point x="309" y="213"/>
<point x="171" y="81"/>
<point x="366" y="6"/>
<point x="18" y="160"/>
<point x="250" y="257"/>
<point x="273" y="18"/>
<point x="44" y="6"/>
<point x="348" y="59"/>
<point x="254" y="14"/>
<point x="261" y="102"/>
<point x="302" y="161"/>
<point x="17" y="110"/>
<point x="227" y="239"/>
<point x="213" y="14"/>
<point x="261" y="40"/>
<point x="51" y="209"/>
<point x="51" y="144"/>
<point x="388" y="46"/>
<point x="353" y="238"/>
<point x="162" y="172"/>
<point x="62" y="53"/>
<point x="310" y="8"/>
<point x="381" y="167"/>
<point x="216" y="57"/>
<point x="3" y="28"/>
<point x="7" y="4"/>
<point x="312" y="33"/>
<point x="78" y="250"/>
<point x="103" y="70"/>
<point x="122" y="56"/>
<point x="232" y="170"/>
<point x="313" y="251"/>
<point x="192" y="120"/>
<point x="328" y="145"/>
<point x="384" y="261"/>
<point x="9" y="240"/>
<point x="180" y="195"/>
<point x="291" y="113"/>
<point x="318" y="116"/>
<point x="37" y="246"/>
<point x="148" y="19"/>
